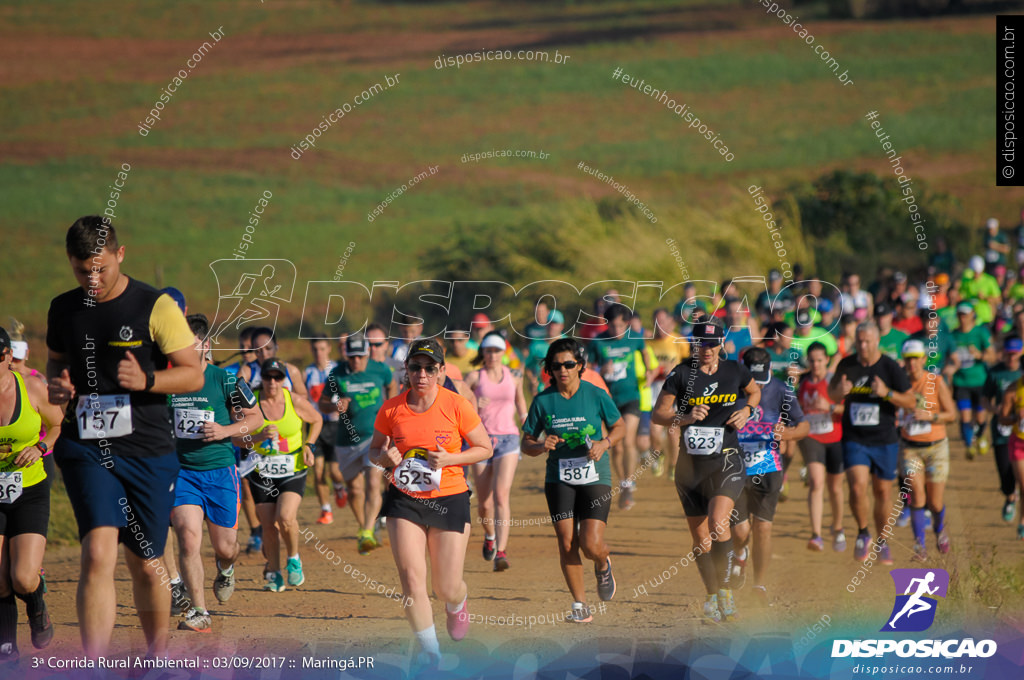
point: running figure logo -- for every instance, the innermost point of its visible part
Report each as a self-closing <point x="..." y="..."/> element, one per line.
<point x="914" y="610"/>
<point x="249" y="293"/>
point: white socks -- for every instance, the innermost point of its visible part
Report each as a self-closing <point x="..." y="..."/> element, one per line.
<point x="428" y="641"/>
<point x="457" y="609"/>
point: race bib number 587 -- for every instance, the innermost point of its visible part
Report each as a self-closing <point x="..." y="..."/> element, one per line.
<point x="577" y="471"/>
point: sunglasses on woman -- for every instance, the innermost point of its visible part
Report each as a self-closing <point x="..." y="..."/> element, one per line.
<point x="429" y="369"/>
<point x="565" y="364"/>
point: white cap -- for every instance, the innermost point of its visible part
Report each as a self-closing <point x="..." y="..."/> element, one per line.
<point x="19" y="348"/>
<point x="913" y="348"/>
<point x="977" y="264"/>
<point x="992" y="223"/>
<point x="494" y="341"/>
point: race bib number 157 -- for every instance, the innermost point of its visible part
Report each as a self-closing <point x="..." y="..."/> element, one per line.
<point x="107" y="415"/>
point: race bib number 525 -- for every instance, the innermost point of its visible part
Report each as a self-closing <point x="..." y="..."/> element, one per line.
<point x="415" y="475"/>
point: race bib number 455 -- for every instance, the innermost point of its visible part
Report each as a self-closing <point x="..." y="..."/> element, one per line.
<point x="107" y="415"/>
<point x="277" y="466"/>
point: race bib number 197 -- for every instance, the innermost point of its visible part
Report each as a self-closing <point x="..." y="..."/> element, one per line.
<point x="864" y="414"/>
<point x="107" y="415"/>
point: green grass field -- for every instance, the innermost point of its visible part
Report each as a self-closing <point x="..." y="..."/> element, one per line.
<point x="71" y="120"/>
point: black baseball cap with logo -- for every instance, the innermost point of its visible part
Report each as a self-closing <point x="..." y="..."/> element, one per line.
<point x="273" y="365"/>
<point x="708" y="332"/>
<point x="759" y="363"/>
<point x="427" y="347"/>
<point x="356" y="345"/>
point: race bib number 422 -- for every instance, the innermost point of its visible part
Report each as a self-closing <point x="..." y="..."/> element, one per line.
<point x="107" y="415"/>
<point x="188" y="422"/>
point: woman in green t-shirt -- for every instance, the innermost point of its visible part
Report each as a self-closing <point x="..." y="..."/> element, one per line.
<point x="575" y="423"/>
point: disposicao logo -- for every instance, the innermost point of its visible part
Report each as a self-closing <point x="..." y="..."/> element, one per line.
<point x="914" y="610"/>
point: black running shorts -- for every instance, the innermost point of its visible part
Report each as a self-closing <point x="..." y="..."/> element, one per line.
<point x="700" y="478"/>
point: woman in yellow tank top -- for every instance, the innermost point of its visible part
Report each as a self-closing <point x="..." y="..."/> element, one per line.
<point x="1012" y="413"/>
<point x="279" y="480"/>
<point x="24" y="501"/>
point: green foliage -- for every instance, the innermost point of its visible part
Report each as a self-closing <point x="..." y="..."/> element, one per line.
<point x="859" y="221"/>
<point x="581" y="244"/>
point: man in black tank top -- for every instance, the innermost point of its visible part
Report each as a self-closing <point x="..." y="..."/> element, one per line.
<point x="117" y="347"/>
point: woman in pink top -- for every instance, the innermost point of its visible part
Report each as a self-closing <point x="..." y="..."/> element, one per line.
<point x="499" y="397"/>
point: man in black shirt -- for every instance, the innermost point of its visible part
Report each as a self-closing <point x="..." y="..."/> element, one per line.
<point x="871" y="386"/>
<point x="117" y="347"/>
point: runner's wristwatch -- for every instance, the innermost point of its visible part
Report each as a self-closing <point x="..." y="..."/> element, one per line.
<point x="41" y="445"/>
<point x="150" y="380"/>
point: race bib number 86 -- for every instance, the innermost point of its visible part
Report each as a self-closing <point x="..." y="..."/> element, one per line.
<point x="10" y="486"/>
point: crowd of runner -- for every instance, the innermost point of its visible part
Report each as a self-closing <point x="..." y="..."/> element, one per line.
<point x="719" y="395"/>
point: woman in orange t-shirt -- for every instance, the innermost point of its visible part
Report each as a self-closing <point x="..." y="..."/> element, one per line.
<point x="418" y="436"/>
